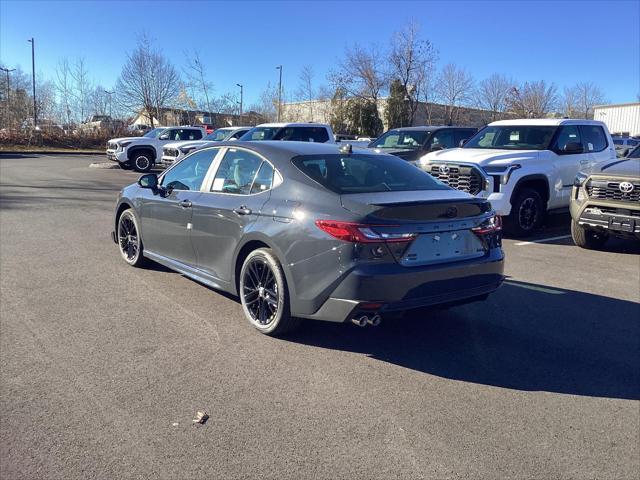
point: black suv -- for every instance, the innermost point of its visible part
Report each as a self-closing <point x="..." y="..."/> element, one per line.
<point x="411" y="143"/>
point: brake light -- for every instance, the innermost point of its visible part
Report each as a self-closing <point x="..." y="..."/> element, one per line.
<point x="491" y="225"/>
<point x="361" y="233"/>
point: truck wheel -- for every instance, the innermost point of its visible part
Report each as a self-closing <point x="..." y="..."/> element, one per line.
<point x="585" y="238"/>
<point x="527" y="212"/>
<point x="142" y="161"/>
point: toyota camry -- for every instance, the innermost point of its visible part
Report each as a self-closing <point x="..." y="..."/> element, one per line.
<point x="317" y="231"/>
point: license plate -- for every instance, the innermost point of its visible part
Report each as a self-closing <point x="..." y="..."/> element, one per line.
<point x="430" y="248"/>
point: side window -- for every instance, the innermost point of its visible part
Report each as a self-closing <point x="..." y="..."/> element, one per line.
<point x="319" y="134"/>
<point x="264" y="178"/>
<point x="236" y="172"/>
<point x="594" y="138"/>
<point x="190" y="172"/>
<point x="239" y="133"/>
<point x="194" y="134"/>
<point x="568" y="134"/>
<point x="168" y="135"/>
<point x="442" y="138"/>
<point x="459" y="135"/>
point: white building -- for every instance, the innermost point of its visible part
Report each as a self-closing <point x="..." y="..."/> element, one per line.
<point x="621" y="118"/>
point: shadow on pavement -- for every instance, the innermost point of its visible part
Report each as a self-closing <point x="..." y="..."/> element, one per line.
<point x="525" y="337"/>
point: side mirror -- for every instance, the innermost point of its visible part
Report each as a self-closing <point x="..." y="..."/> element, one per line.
<point x="462" y="142"/>
<point x="149" y="180"/>
<point x="573" y="147"/>
<point x="164" y="136"/>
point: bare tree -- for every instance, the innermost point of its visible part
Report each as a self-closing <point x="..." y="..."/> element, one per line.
<point x="99" y="101"/>
<point x="196" y="76"/>
<point x="148" y="80"/>
<point x="411" y="60"/>
<point x="64" y="89"/>
<point x="306" y="91"/>
<point x="492" y="94"/>
<point x="267" y="104"/>
<point x="81" y="88"/>
<point x="455" y="86"/>
<point x="587" y="95"/>
<point x="533" y="99"/>
<point x="568" y="103"/>
<point x="360" y="73"/>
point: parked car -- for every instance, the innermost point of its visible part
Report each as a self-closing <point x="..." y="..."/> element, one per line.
<point x="176" y="151"/>
<point x="311" y="230"/>
<point x="207" y="127"/>
<point x="410" y="143"/>
<point x="525" y="168"/>
<point x="142" y="153"/>
<point x="300" y="132"/>
<point x="606" y="202"/>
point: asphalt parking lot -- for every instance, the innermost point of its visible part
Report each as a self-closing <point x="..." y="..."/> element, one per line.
<point x="103" y="366"/>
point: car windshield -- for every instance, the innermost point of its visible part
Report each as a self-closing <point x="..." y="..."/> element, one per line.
<point x="217" y="136"/>
<point x="406" y="139"/>
<point x="512" y="137"/>
<point x="362" y="173"/>
<point x="260" y="133"/>
<point x="154" y="133"/>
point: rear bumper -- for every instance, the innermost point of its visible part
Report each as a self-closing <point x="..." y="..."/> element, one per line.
<point x="399" y="288"/>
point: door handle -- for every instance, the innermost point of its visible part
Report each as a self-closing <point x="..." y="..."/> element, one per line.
<point x="243" y="210"/>
<point x="185" y="203"/>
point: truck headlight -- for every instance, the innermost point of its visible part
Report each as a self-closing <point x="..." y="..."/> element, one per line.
<point x="186" y="150"/>
<point x="122" y="145"/>
<point x="580" y="179"/>
<point x="503" y="172"/>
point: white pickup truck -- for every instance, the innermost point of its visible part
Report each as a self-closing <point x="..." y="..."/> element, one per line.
<point x="524" y="167"/>
<point x="142" y="153"/>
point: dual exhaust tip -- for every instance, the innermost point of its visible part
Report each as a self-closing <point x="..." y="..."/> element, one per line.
<point x="365" y="320"/>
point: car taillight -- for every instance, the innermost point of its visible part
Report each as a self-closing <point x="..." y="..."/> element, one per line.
<point x="361" y="233"/>
<point x="491" y="225"/>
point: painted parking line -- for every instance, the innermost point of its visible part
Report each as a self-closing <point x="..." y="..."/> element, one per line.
<point x="542" y="240"/>
<point x="536" y="288"/>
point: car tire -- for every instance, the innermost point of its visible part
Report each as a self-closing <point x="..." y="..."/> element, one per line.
<point x="527" y="213"/>
<point x="128" y="238"/>
<point x="264" y="294"/>
<point x="142" y="161"/>
<point x="586" y="238"/>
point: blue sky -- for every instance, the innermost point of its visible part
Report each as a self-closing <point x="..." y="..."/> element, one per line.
<point x="243" y="41"/>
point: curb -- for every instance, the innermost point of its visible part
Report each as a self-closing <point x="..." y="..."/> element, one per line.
<point x="46" y="152"/>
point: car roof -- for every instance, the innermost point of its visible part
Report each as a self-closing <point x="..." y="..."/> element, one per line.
<point x="551" y="122"/>
<point x="430" y="128"/>
<point x="232" y="128"/>
<point x="291" y="124"/>
<point x="292" y="149"/>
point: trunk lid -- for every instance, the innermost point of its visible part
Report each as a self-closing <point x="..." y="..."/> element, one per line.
<point x="440" y="220"/>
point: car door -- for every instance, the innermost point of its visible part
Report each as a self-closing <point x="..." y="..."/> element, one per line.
<point x="237" y="192"/>
<point x="166" y="217"/>
<point x="596" y="145"/>
<point x="569" y="157"/>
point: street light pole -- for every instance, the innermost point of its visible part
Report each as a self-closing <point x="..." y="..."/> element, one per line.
<point x="241" y="93"/>
<point x="279" y="67"/>
<point x="33" y="76"/>
<point x="7" y="70"/>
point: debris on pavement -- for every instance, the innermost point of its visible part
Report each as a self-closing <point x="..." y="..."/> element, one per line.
<point x="201" y="417"/>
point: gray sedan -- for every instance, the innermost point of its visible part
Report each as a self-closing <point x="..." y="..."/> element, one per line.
<point x="318" y="231"/>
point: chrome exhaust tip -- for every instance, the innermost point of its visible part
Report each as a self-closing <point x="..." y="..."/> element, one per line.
<point x="360" y="321"/>
<point x="375" y="320"/>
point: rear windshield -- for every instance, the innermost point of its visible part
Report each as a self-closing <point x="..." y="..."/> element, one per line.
<point x="217" y="136"/>
<point x="361" y="173"/>
<point x="407" y="139"/>
<point x="516" y="137"/>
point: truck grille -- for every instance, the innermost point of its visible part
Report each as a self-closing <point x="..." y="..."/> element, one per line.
<point x="606" y="190"/>
<point x="460" y="177"/>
